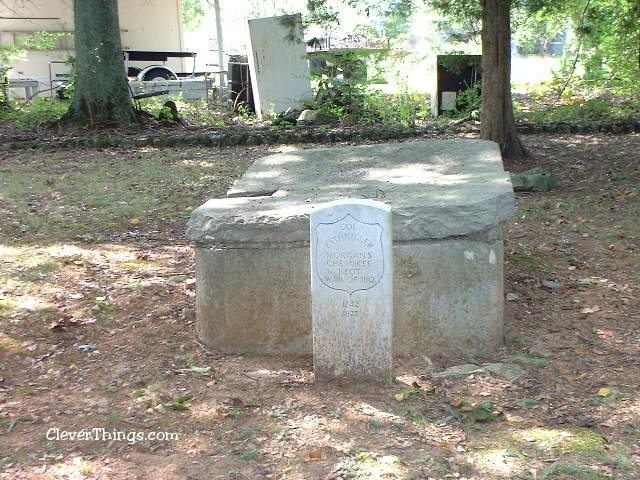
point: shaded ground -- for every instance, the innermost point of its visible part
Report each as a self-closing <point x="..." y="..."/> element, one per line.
<point x="97" y="334"/>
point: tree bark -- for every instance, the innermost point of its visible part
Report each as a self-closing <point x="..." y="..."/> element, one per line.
<point x="496" y="114"/>
<point x="101" y="94"/>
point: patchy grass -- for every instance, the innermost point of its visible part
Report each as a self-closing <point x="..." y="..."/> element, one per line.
<point x="91" y="196"/>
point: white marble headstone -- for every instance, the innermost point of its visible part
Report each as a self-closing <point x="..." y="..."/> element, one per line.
<point x="352" y="289"/>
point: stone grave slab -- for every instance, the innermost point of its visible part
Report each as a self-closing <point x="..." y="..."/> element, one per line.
<point x="278" y="64"/>
<point x="352" y="289"/>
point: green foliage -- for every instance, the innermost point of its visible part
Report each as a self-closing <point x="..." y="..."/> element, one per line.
<point x="583" y="107"/>
<point x="412" y="415"/>
<point x="165" y="114"/>
<point x="244" y="110"/>
<point x="194" y="112"/>
<point x="606" y="45"/>
<point x="42" y="40"/>
<point x="339" y="97"/>
<point x="279" y="414"/>
<point x="322" y="14"/>
<point x="534" y="31"/>
<point x="404" y="108"/>
<point x="558" y="470"/>
<point x="349" y="65"/>
<point x="480" y="412"/>
<point x="37" y="112"/>
<point x="462" y="19"/>
<point x="358" y="103"/>
<point x="353" y="98"/>
<point x="393" y="17"/>
<point x="249" y="454"/>
<point x="8" y="55"/>
<point x="468" y="101"/>
<point x="609" y="33"/>
<point x="192" y="12"/>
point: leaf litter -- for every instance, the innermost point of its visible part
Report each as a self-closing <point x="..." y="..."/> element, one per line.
<point x="120" y="292"/>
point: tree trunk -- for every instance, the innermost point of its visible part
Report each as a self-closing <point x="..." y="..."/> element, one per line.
<point x="496" y="114"/>
<point x="101" y="94"/>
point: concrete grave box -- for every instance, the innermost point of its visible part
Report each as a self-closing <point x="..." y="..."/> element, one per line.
<point x="449" y="199"/>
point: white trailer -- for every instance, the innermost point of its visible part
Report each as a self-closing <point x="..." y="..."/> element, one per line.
<point x="151" y="34"/>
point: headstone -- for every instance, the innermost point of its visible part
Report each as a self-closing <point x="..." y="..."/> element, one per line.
<point x="278" y="64"/>
<point x="352" y="289"/>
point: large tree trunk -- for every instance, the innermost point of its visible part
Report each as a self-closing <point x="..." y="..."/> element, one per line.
<point x="496" y="114"/>
<point x="101" y="94"/>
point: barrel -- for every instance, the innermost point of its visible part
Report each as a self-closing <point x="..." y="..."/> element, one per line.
<point x="240" y="86"/>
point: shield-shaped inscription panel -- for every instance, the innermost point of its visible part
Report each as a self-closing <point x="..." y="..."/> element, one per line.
<point x="349" y="254"/>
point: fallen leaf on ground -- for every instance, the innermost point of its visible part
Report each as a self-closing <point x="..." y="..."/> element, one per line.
<point x="593" y="309"/>
<point x="316" y="455"/>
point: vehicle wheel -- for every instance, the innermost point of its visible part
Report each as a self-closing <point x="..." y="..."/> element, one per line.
<point x="158" y="74"/>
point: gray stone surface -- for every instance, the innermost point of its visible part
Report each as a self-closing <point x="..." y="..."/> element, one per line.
<point x="438" y="189"/>
<point x="254" y="300"/>
<point x="352" y="289"/>
<point x="317" y="117"/>
<point x="258" y="300"/>
<point x="508" y="371"/>
<point x="449" y="297"/>
<point x="537" y="179"/>
<point x="449" y="199"/>
<point x="459" y="371"/>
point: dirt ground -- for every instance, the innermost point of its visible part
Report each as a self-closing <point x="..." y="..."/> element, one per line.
<point x="102" y="377"/>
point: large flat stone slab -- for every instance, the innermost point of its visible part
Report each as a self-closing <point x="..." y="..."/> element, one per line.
<point x="449" y="200"/>
<point x="438" y="189"/>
